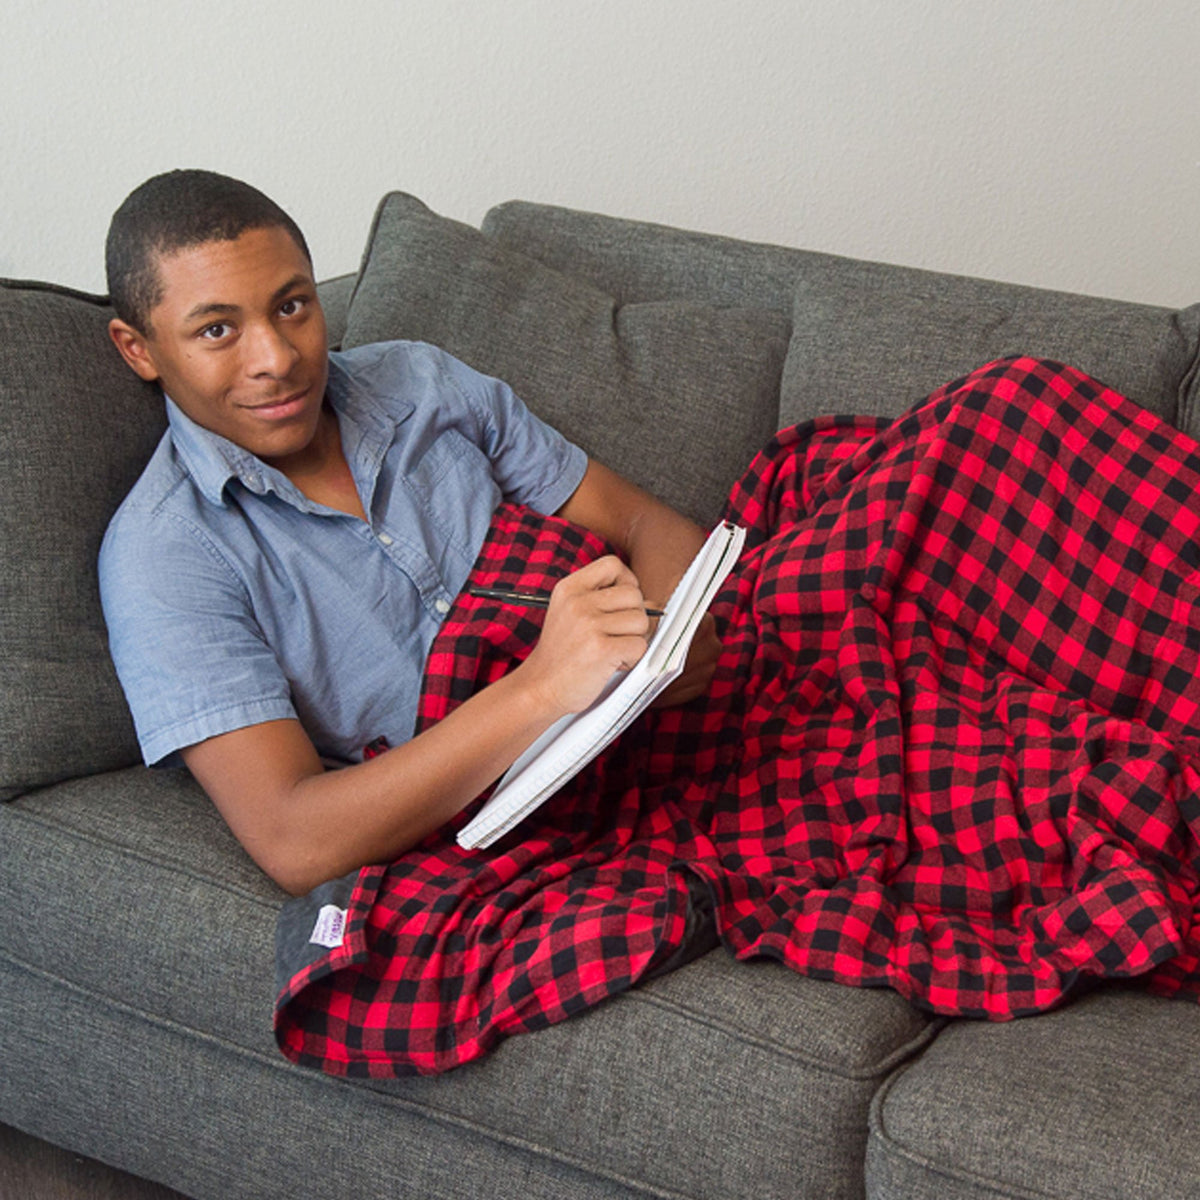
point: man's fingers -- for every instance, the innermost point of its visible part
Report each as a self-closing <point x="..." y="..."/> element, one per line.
<point x="606" y="585"/>
<point x="619" y="597"/>
<point x="605" y="572"/>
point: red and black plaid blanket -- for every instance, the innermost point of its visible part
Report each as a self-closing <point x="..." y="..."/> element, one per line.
<point x="950" y="748"/>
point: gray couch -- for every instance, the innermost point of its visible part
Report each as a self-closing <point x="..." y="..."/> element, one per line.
<point x="136" y="940"/>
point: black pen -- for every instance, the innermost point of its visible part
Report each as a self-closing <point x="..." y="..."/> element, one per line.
<point x="528" y="599"/>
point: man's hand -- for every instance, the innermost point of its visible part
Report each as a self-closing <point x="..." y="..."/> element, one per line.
<point x="595" y="626"/>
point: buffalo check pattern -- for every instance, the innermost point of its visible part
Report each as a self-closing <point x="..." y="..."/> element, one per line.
<point x="951" y="746"/>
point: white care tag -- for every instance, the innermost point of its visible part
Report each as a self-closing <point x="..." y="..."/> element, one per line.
<point x="330" y="928"/>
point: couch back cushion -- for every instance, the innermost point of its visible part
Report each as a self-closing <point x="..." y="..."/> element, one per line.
<point x="639" y="260"/>
<point x="334" y="294"/>
<point x="676" y="395"/>
<point x="874" y="338"/>
<point x="78" y="428"/>
<point x="870" y="337"/>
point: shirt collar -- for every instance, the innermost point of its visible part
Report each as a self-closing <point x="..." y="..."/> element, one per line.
<point x="213" y="460"/>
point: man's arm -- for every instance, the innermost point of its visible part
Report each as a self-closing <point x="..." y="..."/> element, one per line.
<point x="303" y="824"/>
<point x="656" y="541"/>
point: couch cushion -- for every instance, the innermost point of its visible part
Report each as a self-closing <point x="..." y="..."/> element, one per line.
<point x="334" y="295"/>
<point x="870" y="337"/>
<point x="720" y="1080"/>
<point x="1100" y="1099"/>
<point x="1188" y="417"/>
<point x="639" y="260"/>
<point x="677" y="396"/>
<point x="873" y="338"/>
<point x="141" y="895"/>
<point x="78" y="427"/>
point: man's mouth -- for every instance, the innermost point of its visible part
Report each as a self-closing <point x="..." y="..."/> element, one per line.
<point x="285" y="406"/>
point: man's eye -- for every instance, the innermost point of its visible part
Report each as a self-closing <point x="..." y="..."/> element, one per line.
<point x="215" y="332"/>
<point x="289" y="308"/>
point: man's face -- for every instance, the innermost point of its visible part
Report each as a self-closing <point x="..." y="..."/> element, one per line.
<point x="238" y="341"/>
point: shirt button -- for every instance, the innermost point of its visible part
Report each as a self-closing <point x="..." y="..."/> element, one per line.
<point x="442" y="606"/>
<point x="384" y="540"/>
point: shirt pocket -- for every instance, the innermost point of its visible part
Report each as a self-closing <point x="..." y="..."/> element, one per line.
<point x="453" y="488"/>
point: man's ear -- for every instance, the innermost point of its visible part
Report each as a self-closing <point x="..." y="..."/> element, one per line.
<point x="133" y="348"/>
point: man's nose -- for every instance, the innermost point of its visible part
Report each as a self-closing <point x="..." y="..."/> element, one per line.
<point x="268" y="350"/>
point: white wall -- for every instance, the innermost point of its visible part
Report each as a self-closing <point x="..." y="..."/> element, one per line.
<point x="1052" y="142"/>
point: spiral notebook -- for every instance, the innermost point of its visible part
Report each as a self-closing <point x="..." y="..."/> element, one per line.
<point x="572" y="742"/>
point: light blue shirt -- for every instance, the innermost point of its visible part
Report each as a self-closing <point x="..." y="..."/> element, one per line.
<point x="232" y="599"/>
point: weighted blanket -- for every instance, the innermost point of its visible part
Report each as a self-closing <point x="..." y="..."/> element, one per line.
<point x="950" y="748"/>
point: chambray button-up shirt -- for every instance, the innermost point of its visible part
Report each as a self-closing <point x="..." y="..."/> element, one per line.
<point x="232" y="599"/>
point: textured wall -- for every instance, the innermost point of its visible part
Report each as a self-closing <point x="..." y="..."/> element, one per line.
<point x="1047" y="141"/>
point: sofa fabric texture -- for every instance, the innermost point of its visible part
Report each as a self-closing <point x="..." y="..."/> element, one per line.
<point x="136" y="963"/>
<point x="927" y="328"/>
<point x="1098" y="1099"/>
<point x="78" y="428"/>
<point x="872" y="338"/>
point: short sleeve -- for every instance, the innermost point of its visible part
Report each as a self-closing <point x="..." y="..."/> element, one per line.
<point x="189" y="654"/>
<point x="532" y="462"/>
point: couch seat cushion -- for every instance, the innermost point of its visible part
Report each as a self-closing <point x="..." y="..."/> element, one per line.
<point x="720" y="1080"/>
<point x="678" y="396"/>
<point x="139" y="894"/>
<point x="1098" y="1100"/>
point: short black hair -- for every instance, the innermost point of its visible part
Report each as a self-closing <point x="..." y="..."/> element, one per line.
<point x="172" y="212"/>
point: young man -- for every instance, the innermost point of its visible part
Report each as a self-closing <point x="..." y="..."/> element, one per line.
<point x="273" y="582"/>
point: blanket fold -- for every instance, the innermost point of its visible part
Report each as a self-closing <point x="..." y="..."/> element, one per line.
<point x="951" y="747"/>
